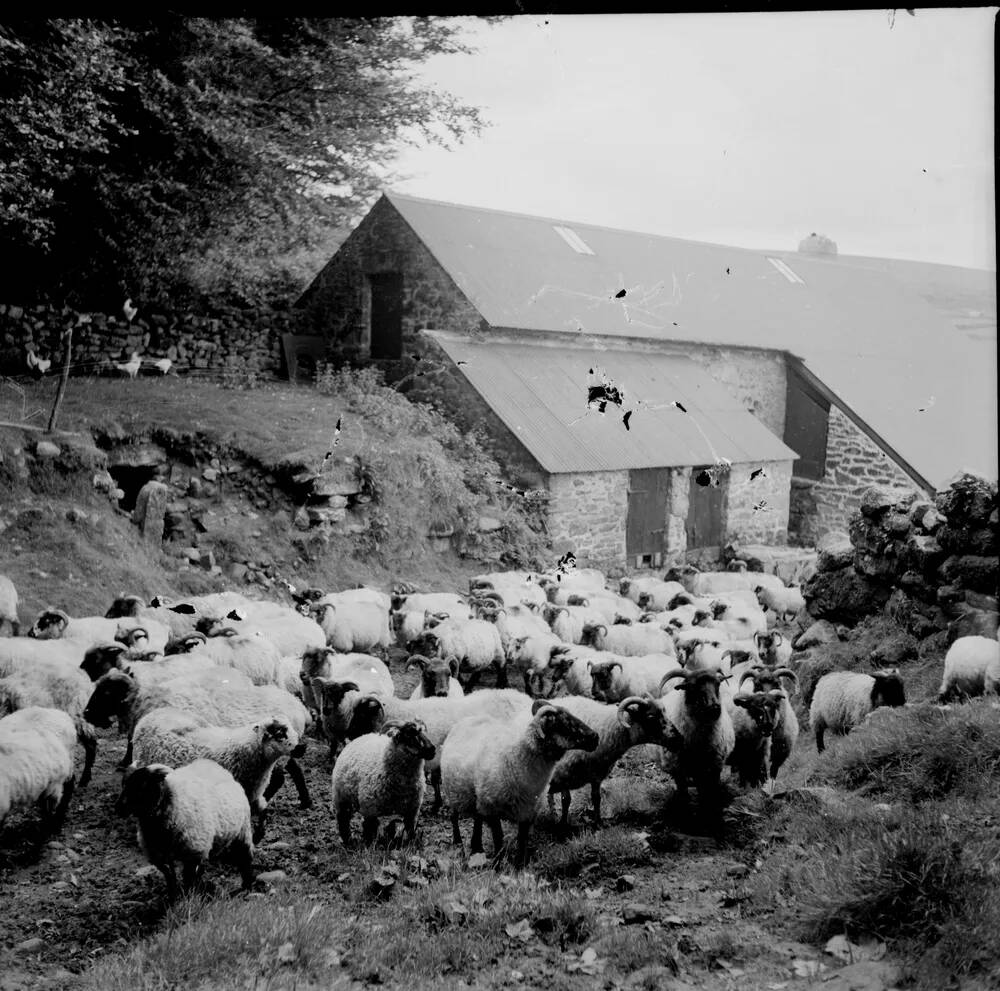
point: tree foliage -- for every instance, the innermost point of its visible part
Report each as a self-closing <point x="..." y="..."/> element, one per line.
<point x="176" y="156"/>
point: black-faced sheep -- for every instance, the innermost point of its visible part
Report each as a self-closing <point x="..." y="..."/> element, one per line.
<point x="754" y="719"/>
<point x="971" y="668"/>
<point x="843" y="699"/>
<point x="437" y="677"/>
<point x="475" y="642"/>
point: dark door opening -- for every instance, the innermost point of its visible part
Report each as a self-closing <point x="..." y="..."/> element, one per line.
<point x="807" y="416"/>
<point x="704" y="519"/>
<point x="131" y="478"/>
<point x="648" y="491"/>
<point x="386" y="315"/>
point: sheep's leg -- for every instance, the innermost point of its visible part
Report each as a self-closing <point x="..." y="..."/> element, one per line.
<point x="90" y="753"/>
<point x="166" y="868"/>
<point x="260" y="825"/>
<point x="436" y="785"/>
<point x="521" y="856"/>
<point x="243" y="858"/>
<point x="344" y="824"/>
<point x="305" y="802"/>
<point x="477" y="835"/>
<point x="369" y="830"/>
<point x="496" y="831"/>
<point x="126" y="761"/>
<point x="501" y="667"/>
<point x="595" y="801"/>
<point x="472" y="680"/>
<point x="820" y="743"/>
<point x="58" y="815"/>
<point x="456" y="834"/>
<point x="565" y="800"/>
<point x="275" y="782"/>
<point x="410" y="825"/>
<point x="191" y="874"/>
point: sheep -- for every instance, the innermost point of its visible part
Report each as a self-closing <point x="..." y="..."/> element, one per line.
<point x="633" y="721"/>
<point x="786" y="727"/>
<point x="54" y="624"/>
<point x="614" y="680"/>
<point x="288" y="630"/>
<point x="614" y="608"/>
<point x="629" y="640"/>
<point x="842" y="699"/>
<point x="359" y="594"/>
<point x="48" y="684"/>
<point x="571" y="665"/>
<point x="568" y="622"/>
<point x="738" y="620"/>
<point x="512" y="588"/>
<point x="659" y="595"/>
<point x="249" y="752"/>
<point x="19" y="652"/>
<point x="774" y="650"/>
<point x="437" y="677"/>
<point x="518" y="621"/>
<point x="179" y="620"/>
<point x="9" y="625"/>
<point x="497" y="769"/>
<point x="694" y="707"/>
<point x="971" y="667"/>
<point x="475" y="642"/>
<point x="632" y="588"/>
<point x="355" y="626"/>
<point x="450" y="603"/>
<point x="783" y="602"/>
<point x="189" y="814"/>
<point x="714" y="582"/>
<point x="754" y="720"/>
<point x="530" y="655"/>
<point x="220" y="696"/>
<point x="37" y="761"/>
<point x="255" y="656"/>
<point x="381" y="774"/>
<point x="370" y="712"/>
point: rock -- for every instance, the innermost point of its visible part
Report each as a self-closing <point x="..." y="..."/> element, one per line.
<point x="832" y="540"/>
<point x="206" y="559"/>
<point x="76" y="515"/>
<point x="971" y="571"/>
<point x="237" y="571"/>
<point x="635" y="912"/>
<point x="835" y="558"/>
<point x="488" y="524"/>
<point x="150" y="511"/>
<point x="140" y="455"/>
<point x="843" y="596"/>
<point x="272" y="877"/>
<point x="877" y="500"/>
<point x="973" y="623"/>
<point x="336" y="479"/>
<point x="923" y="552"/>
<point x="822" y="631"/>
<point x="898" y="523"/>
<point x="195" y="488"/>
<point x="46" y="450"/>
<point x="967" y="497"/>
<point x="987" y="603"/>
<point x="625" y="883"/>
<point x="34" y="945"/>
<point x="323" y="514"/>
<point x="865" y="975"/>
<point x="210" y="474"/>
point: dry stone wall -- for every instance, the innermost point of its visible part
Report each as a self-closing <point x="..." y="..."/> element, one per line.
<point x="587" y="513"/>
<point x="758" y="506"/>
<point x="225" y="339"/>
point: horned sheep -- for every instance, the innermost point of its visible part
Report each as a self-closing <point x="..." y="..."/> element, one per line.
<point x="475" y="642"/>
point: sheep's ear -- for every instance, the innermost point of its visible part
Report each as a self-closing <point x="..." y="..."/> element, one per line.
<point x="418" y="661"/>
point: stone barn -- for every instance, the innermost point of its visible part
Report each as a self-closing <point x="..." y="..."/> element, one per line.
<point x="788" y="381"/>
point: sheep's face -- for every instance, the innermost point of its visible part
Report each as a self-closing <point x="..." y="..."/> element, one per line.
<point x="762" y="708"/>
<point x="124" y="605"/>
<point x="314" y="662"/>
<point x="366" y="717"/>
<point x="107" y="699"/>
<point x="9" y="627"/>
<point x="603" y="677"/>
<point x="624" y="584"/>
<point x="591" y="633"/>
<point x="648" y="724"/>
<point x="98" y="661"/>
<point x="136" y="636"/>
<point x="645" y="600"/>
<point x="278" y="738"/>
<point x="701" y="695"/>
<point x="435" y="674"/>
<point x="559" y="730"/>
<point x="411" y="736"/>
<point x="50" y="625"/>
<point x="719" y="609"/>
<point x="329" y="695"/>
<point x="888" y="690"/>
<point x="143" y="791"/>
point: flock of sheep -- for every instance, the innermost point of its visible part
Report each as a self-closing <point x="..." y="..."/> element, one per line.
<point x="218" y="694"/>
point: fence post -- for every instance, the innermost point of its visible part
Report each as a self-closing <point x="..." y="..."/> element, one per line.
<point x="68" y="354"/>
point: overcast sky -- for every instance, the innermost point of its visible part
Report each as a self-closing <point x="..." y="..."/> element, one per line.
<point x="745" y="129"/>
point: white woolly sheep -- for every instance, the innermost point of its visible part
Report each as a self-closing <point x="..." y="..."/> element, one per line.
<point x="518" y="621"/>
<point x="713" y="582"/>
<point x="496" y="769"/>
<point x="786" y="727"/>
<point x="693" y="705"/>
<point x="37" y="748"/>
<point x="632" y="588"/>
<point x="9" y="625"/>
<point x="971" y="668"/>
<point x="629" y="640"/>
<point x="287" y="629"/>
<point x="54" y="624"/>
<point x="449" y="603"/>
<point x="568" y="622"/>
<point x="179" y="620"/>
<point x="782" y="602"/>
<point x="370" y="712"/>
<point x="475" y="642"/>
<point x="355" y="626"/>
<point x="774" y="650"/>
<point x="738" y="620"/>
<point x="48" y="684"/>
<point x="659" y="595"/>
<point x="614" y="680"/>
<point x="18" y="652"/>
<point x="437" y="677"/>
<point x="842" y="700"/>
<point x="189" y="814"/>
<point x="360" y="594"/>
<point x="633" y="721"/>
<point x="530" y="656"/>
<point x="380" y="774"/>
<point x="754" y="719"/>
<point x="255" y="656"/>
<point x="249" y="752"/>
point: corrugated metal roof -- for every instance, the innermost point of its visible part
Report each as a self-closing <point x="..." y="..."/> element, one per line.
<point x="540" y="393"/>
<point x="922" y="383"/>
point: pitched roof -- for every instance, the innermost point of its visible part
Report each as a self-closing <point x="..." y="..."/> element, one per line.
<point x="923" y="384"/>
<point x="540" y="392"/>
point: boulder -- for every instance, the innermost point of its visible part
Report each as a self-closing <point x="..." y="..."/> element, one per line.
<point x="822" y="631"/>
<point x="150" y="511"/>
<point x="967" y="497"/>
<point x="972" y="571"/>
<point x="973" y="623"/>
<point x="877" y="500"/>
<point x="843" y="596"/>
<point x="46" y="450"/>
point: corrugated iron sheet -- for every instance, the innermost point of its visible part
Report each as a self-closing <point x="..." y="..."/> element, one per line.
<point x="540" y="393"/>
<point x="925" y="384"/>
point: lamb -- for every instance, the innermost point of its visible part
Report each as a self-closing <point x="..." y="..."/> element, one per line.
<point x="189" y="814"/>
<point x="9" y="625"/>
<point x="531" y="655"/>
<point x="842" y="699"/>
<point x="754" y="720"/>
<point x="370" y="712"/>
<point x="381" y="774"/>
<point x="971" y="667"/>
<point x="774" y="650"/>
<point x="618" y="679"/>
<point x="355" y="626"/>
<point x="369" y="673"/>
<point x="494" y="769"/>
<point x="783" y="602"/>
<point x="220" y="696"/>
<point x="437" y="677"/>
<point x="694" y="707"/>
<point x="37" y="761"/>
<point x="629" y="640"/>
<point x="475" y="642"/>
<point x="249" y="752"/>
<point x="633" y="721"/>
<point x="786" y="727"/>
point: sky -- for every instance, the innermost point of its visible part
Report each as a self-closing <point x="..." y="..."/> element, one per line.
<point x="746" y="129"/>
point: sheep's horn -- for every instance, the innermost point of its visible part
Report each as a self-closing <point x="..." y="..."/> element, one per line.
<point x="670" y="675"/>
<point x="418" y="661"/>
<point x="750" y="673"/>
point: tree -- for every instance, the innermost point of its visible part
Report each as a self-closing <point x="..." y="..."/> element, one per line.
<point x="160" y="157"/>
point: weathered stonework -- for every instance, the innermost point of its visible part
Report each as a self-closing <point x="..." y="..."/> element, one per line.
<point x="757" y="510"/>
<point x="587" y="513"/>
<point x="675" y="534"/>
<point x="854" y="462"/>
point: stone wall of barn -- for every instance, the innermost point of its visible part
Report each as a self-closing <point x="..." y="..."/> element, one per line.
<point x="854" y="462"/>
<point x="587" y="513"/>
<point x="757" y="510"/>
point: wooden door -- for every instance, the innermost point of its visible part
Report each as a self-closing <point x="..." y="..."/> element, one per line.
<point x="807" y="415"/>
<point x="704" y="519"/>
<point x="386" y="315"/>
<point x="648" y="491"/>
